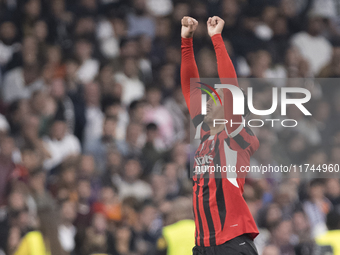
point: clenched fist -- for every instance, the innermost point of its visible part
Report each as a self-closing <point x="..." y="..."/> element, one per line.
<point x="189" y="26"/>
<point x="215" y="25"/>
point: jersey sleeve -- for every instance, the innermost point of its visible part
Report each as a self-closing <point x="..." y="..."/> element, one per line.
<point x="245" y="140"/>
<point x="227" y="75"/>
<point x="189" y="71"/>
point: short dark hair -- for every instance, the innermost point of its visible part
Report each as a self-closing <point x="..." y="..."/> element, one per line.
<point x="151" y="127"/>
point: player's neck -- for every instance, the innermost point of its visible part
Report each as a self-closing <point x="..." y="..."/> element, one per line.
<point x="216" y="129"/>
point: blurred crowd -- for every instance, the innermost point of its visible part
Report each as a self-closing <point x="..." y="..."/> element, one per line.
<point x="95" y="133"/>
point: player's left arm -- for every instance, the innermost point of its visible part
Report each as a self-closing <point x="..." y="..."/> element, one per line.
<point x="226" y="70"/>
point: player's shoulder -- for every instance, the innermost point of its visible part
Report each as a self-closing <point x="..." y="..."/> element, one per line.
<point x="244" y="140"/>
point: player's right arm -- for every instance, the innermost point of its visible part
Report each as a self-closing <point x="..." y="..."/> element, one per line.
<point x="189" y="68"/>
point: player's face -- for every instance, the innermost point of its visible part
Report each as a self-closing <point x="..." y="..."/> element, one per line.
<point x="214" y="111"/>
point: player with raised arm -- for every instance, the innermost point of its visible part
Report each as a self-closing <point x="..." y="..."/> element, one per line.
<point x="224" y="224"/>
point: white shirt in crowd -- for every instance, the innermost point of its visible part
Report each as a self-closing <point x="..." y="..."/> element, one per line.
<point x="60" y="150"/>
<point x="14" y="86"/>
<point x="315" y="49"/>
<point x="88" y="70"/>
<point x="139" y="189"/>
<point x="66" y="237"/>
<point x="94" y="126"/>
<point x="133" y="88"/>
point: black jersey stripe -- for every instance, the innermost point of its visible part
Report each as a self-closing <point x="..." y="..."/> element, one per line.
<point x="208" y="217"/>
<point x="198" y="187"/>
<point x="222" y="211"/>
<point x="219" y="194"/>
<point x="241" y="142"/>
<point x="197" y="120"/>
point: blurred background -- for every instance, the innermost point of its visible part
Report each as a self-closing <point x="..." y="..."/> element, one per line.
<point x="94" y="130"/>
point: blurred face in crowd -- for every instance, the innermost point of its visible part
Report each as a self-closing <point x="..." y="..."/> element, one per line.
<point x="333" y="188"/>
<point x="163" y="28"/>
<point x="85" y="26"/>
<point x="58" y="7"/>
<point x="171" y="171"/>
<point x="83" y="50"/>
<point x="335" y="155"/>
<point x="71" y="69"/>
<point x="30" y="159"/>
<point x="315" y="26"/>
<point x="280" y="26"/>
<point x="288" y="8"/>
<point x="271" y="250"/>
<point x="230" y="7"/>
<point x="152" y="134"/>
<point x="109" y="128"/>
<point x="283" y="233"/>
<point x="260" y="62"/>
<point x="133" y="132"/>
<point x="87" y="165"/>
<point x="32" y="9"/>
<point x="300" y="223"/>
<point x="6" y="147"/>
<point x="154" y="97"/>
<point x="130" y="49"/>
<point x="137" y="114"/>
<point x="22" y="109"/>
<point x="16" y="201"/>
<point x="31" y="123"/>
<point x="106" y="77"/>
<point x="89" y="4"/>
<point x="160" y="186"/>
<point x="84" y="189"/>
<point x="274" y="214"/>
<point x="123" y="234"/>
<point x="92" y="94"/>
<point x="207" y="63"/>
<point x="99" y="222"/>
<point x="58" y="88"/>
<point x="130" y="67"/>
<point x="145" y="45"/>
<point x="113" y="110"/>
<point x="37" y="182"/>
<point x="54" y="55"/>
<point x="297" y="144"/>
<point x="180" y="154"/>
<point x="38" y="102"/>
<point x="58" y="130"/>
<point x="68" y="175"/>
<point x="41" y="30"/>
<point x="68" y="211"/>
<point x="317" y="191"/>
<point x="269" y="15"/>
<point x="148" y="215"/>
<point x="132" y="170"/>
<point x="108" y="195"/>
<point x="139" y="6"/>
<point x="8" y="32"/>
<point x="114" y="161"/>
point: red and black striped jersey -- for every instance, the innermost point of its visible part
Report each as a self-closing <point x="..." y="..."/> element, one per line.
<point x="220" y="210"/>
